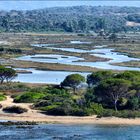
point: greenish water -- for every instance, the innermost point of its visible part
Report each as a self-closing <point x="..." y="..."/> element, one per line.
<point x="70" y="132"/>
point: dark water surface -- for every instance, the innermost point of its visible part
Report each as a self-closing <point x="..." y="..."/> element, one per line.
<point x="70" y="132"/>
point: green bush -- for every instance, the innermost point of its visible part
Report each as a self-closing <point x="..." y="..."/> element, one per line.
<point x="42" y="103"/>
<point x="14" y="87"/>
<point x="56" y="91"/>
<point x="133" y="103"/>
<point x="21" y="87"/>
<point x="15" y="109"/>
<point x="106" y="113"/>
<point x="29" y="97"/>
<point x="2" y="97"/>
<point x="54" y="110"/>
<point x="96" y="108"/>
<point x="80" y="34"/>
<point x="79" y="112"/>
<point x="120" y="114"/>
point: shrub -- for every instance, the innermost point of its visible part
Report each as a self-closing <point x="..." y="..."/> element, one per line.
<point x="54" y="110"/>
<point x="2" y="97"/>
<point x="97" y="108"/>
<point x="57" y="91"/>
<point x="21" y="87"/>
<point x="42" y="103"/>
<point x="79" y="112"/>
<point x="133" y="103"/>
<point x="106" y="113"/>
<point x="15" y="109"/>
<point x="80" y="34"/>
<point x="29" y="97"/>
<point x="14" y="87"/>
<point x="121" y="114"/>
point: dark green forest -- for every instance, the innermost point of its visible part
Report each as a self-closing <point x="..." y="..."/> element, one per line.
<point x="71" y="19"/>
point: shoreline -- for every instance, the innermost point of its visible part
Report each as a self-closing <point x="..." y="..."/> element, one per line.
<point x="39" y="117"/>
<point x="70" y="120"/>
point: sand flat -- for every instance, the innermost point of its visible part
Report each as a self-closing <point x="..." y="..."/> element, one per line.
<point x="37" y="116"/>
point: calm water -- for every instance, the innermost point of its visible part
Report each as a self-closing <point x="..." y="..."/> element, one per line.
<point x="56" y="44"/>
<point x="39" y="76"/>
<point x="70" y="132"/>
<point x="72" y="60"/>
<point x="50" y="58"/>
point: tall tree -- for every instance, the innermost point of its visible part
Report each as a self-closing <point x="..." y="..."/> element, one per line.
<point x="10" y="74"/>
<point x="73" y="81"/>
<point x="96" y="77"/>
<point x="7" y="74"/>
<point x="112" y="90"/>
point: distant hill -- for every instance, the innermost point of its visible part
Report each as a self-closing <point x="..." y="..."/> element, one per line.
<point x="71" y="19"/>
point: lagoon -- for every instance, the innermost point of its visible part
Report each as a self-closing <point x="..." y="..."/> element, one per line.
<point x="40" y="76"/>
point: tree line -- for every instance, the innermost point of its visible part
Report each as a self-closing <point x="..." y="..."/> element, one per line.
<point x="112" y="90"/>
<point x="70" y="19"/>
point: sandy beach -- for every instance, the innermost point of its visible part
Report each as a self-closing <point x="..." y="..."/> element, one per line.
<point x="37" y="116"/>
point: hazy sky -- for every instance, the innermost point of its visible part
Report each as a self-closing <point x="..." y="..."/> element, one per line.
<point x="30" y="4"/>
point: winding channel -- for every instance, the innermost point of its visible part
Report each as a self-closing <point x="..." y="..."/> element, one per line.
<point x="56" y="77"/>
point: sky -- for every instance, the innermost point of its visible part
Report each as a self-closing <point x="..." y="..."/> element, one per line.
<point x="31" y="4"/>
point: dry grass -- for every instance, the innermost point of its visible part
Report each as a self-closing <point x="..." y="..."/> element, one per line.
<point x="51" y="66"/>
<point x="130" y="64"/>
<point x="129" y="46"/>
<point x="132" y="50"/>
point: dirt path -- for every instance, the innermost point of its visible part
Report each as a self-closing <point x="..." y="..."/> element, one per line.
<point x="9" y="102"/>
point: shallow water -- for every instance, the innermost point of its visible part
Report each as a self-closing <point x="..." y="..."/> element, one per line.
<point x="39" y="76"/>
<point x="69" y="49"/>
<point x="79" y="42"/>
<point x="50" y="58"/>
<point x="56" y="44"/>
<point x="70" y="132"/>
<point x="98" y="51"/>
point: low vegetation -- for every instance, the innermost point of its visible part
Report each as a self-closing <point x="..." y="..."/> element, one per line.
<point x="14" y="87"/>
<point x="15" y="109"/>
<point x="2" y="97"/>
<point x="129" y="64"/>
<point x="29" y="97"/>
